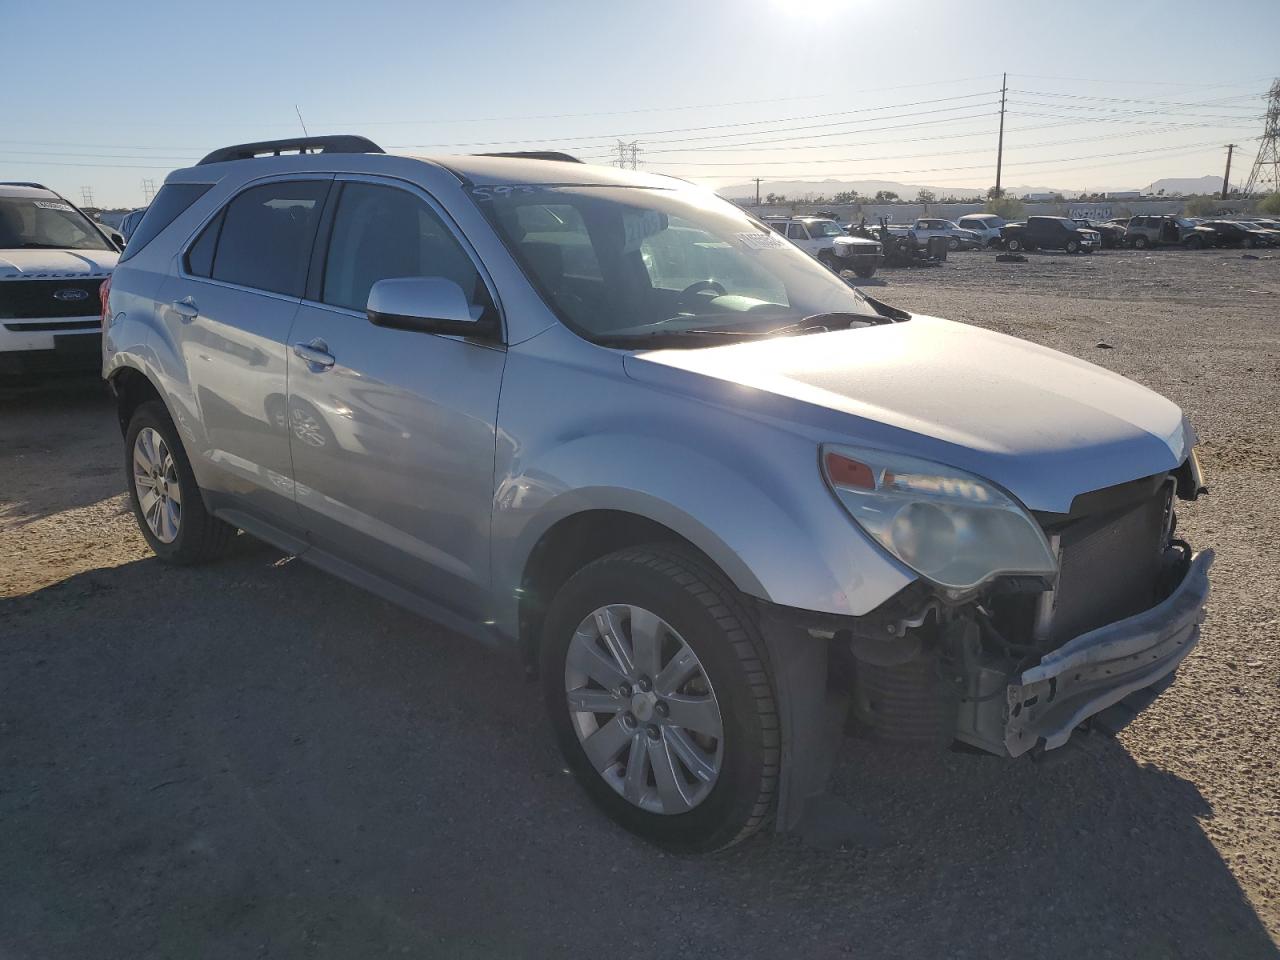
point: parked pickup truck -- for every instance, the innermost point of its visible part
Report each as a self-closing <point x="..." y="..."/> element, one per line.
<point x="957" y="238"/>
<point x="1051" y="233"/>
<point x="827" y="241"/>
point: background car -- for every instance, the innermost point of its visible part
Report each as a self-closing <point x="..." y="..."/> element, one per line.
<point x="1112" y="234"/>
<point x="1051" y="233"/>
<point x="1228" y="233"/>
<point x="826" y="241"/>
<point x="53" y="260"/>
<point x="130" y="222"/>
<point x="986" y="226"/>
<point x="1149" y="231"/>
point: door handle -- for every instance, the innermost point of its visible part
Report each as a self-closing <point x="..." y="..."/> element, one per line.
<point x="316" y="353"/>
<point x="186" y="308"/>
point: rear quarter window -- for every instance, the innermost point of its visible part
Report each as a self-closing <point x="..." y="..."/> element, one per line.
<point x="168" y="204"/>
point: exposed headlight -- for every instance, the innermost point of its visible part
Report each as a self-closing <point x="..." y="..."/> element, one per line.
<point x="949" y="526"/>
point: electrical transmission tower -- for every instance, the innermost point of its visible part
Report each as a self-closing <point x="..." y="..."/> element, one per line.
<point x="148" y="191"/>
<point x="628" y="155"/>
<point x="1264" y="178"/>
<point x="86" y="194"/>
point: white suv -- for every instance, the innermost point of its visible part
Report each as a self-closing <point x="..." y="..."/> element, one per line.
<point x="53" y="259"/>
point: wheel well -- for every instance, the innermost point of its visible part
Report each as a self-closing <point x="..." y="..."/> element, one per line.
<point x="566" y="548"/>
<point x="132" y="389"/>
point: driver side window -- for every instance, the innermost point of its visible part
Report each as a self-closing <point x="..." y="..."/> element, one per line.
<point x="382" y="232"/>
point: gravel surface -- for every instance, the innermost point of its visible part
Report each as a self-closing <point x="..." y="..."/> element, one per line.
<point x="254" y="759"/>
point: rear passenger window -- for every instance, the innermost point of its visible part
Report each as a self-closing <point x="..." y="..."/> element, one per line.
<point x="266" y="236"/>
<point x="199" y="259"/>
<point x="383" y="232"/>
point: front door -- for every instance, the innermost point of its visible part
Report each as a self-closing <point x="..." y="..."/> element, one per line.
<point x="393" y="432"/>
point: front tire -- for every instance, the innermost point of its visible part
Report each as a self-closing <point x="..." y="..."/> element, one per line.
<point x="659" y="692"/>
<point x="953" y="244"/>
<point x="1072" y="246"/>
<point x="163" y="492"/>
<point x="1140" y="243"/>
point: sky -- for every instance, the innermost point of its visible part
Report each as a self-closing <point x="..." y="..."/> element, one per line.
<point x="1100" y="94"/>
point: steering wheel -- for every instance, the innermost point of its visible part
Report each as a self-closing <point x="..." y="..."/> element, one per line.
<point x="699" y="285"/>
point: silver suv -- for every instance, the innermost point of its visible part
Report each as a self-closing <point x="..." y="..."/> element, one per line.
<point x="714" y="496"/>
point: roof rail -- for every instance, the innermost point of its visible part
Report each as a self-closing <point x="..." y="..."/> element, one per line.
<point x="535" y="155"/>
<point x="340" y="143"/>
<point x="23" y="183"/>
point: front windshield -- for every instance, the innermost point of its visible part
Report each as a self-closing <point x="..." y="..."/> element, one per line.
<point x="624" y="262"/>
<point x="37" y="223"/>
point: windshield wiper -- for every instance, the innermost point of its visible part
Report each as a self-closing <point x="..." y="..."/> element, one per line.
<point x="823" y="321"/>
<point x="36" y="245"/>
<point x="647" y="339"/>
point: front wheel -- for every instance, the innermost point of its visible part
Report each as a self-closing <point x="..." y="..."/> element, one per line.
<point x="1140" y="243"/>
<point x="1072" y="246"/>
<point x="658" y="689"/>
<point x="163" y="492"/>
<point x="865" y="272"/>
<point x="953" y="244"/>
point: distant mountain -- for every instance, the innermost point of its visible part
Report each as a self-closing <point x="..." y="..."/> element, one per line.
<point x="1186" y="185"/>
<point x="798" y="189"/>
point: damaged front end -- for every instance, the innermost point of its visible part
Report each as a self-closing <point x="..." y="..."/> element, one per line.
<point x="1019" y="666"/>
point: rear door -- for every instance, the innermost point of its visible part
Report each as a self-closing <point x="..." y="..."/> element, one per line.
<point x="228" y="309"/>
<point x="393" y="436"/>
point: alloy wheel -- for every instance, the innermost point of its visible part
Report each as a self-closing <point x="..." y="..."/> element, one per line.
<point x="643" y="709"/>
<point x="155" y="479"/>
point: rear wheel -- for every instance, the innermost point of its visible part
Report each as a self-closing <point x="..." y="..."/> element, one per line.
<point x="654" y="675"/>
<point x="1013" y="244"/>
<point x="163" y="492"/>
<point x="953" y="244"/>
<point x="1195" y="243"/>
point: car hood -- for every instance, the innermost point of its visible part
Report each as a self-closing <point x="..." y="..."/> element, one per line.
<point x="1045" y="426"/>
<point x="55" y="264"/>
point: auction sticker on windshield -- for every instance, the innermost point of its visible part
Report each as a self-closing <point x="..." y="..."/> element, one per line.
<point x="760" y="241"/>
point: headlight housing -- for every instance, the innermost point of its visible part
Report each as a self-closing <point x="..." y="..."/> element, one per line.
<point x="951" y="527"/>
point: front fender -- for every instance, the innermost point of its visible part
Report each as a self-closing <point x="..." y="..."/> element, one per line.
<point x="747" y="493"/>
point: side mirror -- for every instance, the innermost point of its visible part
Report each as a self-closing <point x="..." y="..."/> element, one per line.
<point x="426" y="305"/>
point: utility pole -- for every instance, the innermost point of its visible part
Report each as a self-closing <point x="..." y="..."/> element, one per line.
<point x="757" y="191"/>
<point x="1264" y="178"/>
<point x="1004" y="90"/>
<point x="1226" y="177"/>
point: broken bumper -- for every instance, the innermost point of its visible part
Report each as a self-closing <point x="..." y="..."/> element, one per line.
<point x="1099" y="669"/>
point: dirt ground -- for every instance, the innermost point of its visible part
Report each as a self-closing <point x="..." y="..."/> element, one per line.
<point x="252" y="759"/>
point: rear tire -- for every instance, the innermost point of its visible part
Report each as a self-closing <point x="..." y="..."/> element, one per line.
<point x="696" y="610"/>
<point x="1013" y="245"/>
<point x="173" y="519"/>
<point x="953" y="244"/>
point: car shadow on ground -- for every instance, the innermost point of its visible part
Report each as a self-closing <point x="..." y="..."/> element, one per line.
<point x="253" y="756"/>
<point x="39" y="417"/>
